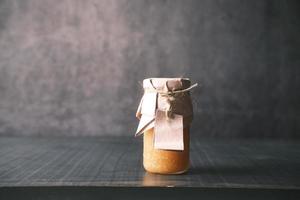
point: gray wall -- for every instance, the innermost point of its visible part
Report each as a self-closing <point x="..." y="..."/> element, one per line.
<point x="74" y="67"/>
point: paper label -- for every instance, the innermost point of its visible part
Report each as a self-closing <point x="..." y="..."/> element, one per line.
<point x="168" y="132"/>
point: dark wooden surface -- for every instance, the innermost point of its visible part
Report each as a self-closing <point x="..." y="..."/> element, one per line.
<point x="112" y="161"/>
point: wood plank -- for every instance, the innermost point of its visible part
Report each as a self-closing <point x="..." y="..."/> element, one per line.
<point x="117" y="161"/>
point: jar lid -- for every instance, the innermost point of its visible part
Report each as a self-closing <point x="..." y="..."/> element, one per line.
<point x="166" y="84"/>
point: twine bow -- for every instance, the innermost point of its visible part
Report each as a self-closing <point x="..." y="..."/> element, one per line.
<point x="171" y="95"/>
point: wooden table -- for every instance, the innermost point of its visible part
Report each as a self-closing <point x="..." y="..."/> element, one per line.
<point x="81" y="168"/>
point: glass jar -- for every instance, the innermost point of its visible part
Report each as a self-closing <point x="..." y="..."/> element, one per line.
<point x="166" y="136"/>
<point x="166" y="161"/>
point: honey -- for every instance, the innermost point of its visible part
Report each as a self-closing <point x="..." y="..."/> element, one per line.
<point x="165" y="161"/>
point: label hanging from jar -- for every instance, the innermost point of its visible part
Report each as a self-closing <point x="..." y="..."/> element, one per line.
<point x="168" y="132"/>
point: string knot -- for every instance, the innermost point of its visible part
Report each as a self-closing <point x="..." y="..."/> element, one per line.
<point x="171" y="97"/>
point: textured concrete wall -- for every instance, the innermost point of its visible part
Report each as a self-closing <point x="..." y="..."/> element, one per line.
<point x="73" y="67"/>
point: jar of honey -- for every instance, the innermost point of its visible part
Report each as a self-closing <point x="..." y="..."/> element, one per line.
<point x="165" y="114"/>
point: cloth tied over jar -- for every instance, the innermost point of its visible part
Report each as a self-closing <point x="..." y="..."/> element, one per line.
<point x="165" y="106"/>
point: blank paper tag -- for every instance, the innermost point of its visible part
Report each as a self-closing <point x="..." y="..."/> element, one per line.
<point x="168" y="133"/>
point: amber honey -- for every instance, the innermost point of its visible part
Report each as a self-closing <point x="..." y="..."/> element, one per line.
<point x="165" y="161"/>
